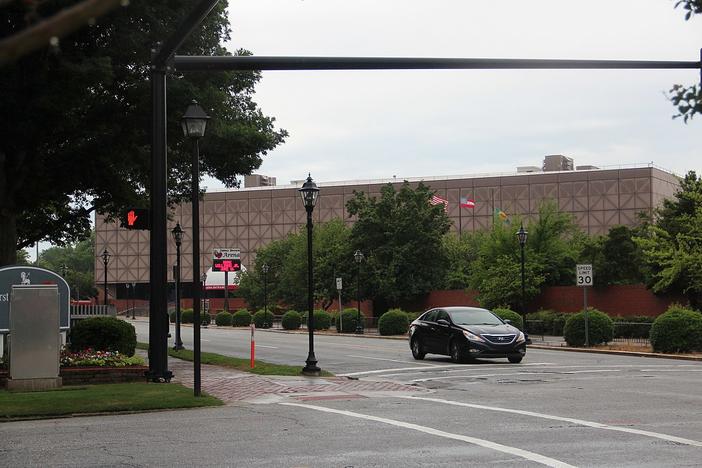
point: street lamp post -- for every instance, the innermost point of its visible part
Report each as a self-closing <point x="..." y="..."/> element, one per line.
<point x="105" y="260"/>
<point x="133" y="301"/>
<point x="522" y="237"/>
<point x="264" y="269"/>
<point x="177" y="234"/>
<point x="358" y="256"/>
<point x="309" y="193"/>
<point x="194" y="123"/>
<point x="129" y="296"/>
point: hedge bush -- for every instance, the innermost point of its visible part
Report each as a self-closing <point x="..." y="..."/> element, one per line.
<point x="678" y="330"/>
<point x="172" y="315"/>
<point x="103" y="334"/>
<point x="322" y="320"/>
<point x="263" y="319"/>
<point x="291" y="320"/>
<point x="186" y="316"/>
<point x="348" y="321"/>
<point x="547" y="322"/>
<point x="600" y="328"/>
<point x="507" y="314"/>
<point x="633" y="326"/>
<point x="223" y="319"/>
<point x="393" y="322"/>
<point x="241" y="318"/>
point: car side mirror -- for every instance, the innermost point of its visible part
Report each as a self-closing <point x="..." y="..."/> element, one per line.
<point x="507" y="321"/>
<point x="443" y="322"/>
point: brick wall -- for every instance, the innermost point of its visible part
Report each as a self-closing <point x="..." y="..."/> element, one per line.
<point x="615" y="300"/>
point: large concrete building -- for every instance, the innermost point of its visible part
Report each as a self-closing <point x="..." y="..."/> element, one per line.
<point x="251" y="217"/>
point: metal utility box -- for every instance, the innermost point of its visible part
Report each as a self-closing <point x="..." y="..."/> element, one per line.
<point x="35" y="341"/>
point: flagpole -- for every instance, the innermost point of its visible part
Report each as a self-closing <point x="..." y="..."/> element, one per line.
<point x="460" y="216"/>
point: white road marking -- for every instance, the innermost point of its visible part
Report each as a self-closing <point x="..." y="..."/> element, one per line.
<point x="449" y="377"/>
<point x="425" y="364"/>
<point x="437" y="366"/>
<point x="535" y="457"/>
<point x="670" y="370"/>
<point x="264" y="346"/>
<point x="581" y="422"/>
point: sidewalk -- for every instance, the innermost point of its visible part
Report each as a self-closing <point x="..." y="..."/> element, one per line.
<point x="233" y="386"/>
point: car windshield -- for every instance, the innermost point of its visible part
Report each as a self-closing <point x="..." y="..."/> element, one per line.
<point x="474" y="317"/>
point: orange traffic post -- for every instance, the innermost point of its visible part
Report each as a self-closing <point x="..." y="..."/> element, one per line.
<point x="253" y="345"/>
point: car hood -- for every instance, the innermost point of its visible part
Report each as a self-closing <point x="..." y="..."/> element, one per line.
<point x="490" y="329"/>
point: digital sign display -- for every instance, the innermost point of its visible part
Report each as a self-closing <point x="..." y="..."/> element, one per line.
<point x="136" y="218"/>
<point x="228" y="264"/>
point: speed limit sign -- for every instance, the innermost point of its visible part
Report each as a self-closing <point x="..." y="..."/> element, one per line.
<point x="583" y="275"/>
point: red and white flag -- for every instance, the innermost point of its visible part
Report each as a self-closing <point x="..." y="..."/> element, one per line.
<point x="467" y="202"/>
<point x="436" y="200"/>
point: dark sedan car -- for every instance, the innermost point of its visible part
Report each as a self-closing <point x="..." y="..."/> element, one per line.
<point x="465" y="333"/>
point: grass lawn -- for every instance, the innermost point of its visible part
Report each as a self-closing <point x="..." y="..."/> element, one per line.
<point x="99" y="399"/>
<point x="261" y="368"/>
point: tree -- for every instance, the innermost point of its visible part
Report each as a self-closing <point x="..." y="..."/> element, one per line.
<point x="552" y="247"/>
<point x="79" y="260"/>
<point x="616" y="258"/>
<point x="687" y="99"/>
<point x="76" y="128"/>
<point x="401" y="235"/>
<point x="287" y="261"/>
<point x="672" y="245"/>
<point x="460" y="252"/>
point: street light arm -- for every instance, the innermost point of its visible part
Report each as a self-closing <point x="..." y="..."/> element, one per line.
<point x="192" y="21"/>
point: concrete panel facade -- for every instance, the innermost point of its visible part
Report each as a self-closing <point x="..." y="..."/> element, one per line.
<point x="248" y="219"/>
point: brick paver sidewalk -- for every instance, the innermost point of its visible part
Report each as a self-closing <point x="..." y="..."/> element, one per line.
<point x="232" y="385"/>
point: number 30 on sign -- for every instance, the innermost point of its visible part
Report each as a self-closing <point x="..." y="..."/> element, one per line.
<point x="583" y="275"/>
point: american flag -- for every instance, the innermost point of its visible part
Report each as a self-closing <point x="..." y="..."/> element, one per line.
<point x="435" y="200"/>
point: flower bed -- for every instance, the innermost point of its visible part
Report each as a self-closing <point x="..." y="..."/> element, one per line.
<point x="95" y="367"/>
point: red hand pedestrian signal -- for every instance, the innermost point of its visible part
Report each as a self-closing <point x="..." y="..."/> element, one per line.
<point x="131" y="218"/>
<point x="136" y="218"/>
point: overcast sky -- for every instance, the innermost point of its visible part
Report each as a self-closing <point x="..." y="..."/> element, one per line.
<point x="375" y="124"/>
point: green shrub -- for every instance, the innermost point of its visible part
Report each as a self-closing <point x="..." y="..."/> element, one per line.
<point x="348" y="321"/>
<point x="186" y="316"/>
<point x="322" y="320"/>
<point x="263" y="319"/>
<point x="223" y="319"/>
<point x="632" y="326"/>
<point x="600" y="328"/>
<point x="546" y="322"/>
<point x="241" y="318"/>
<point x="507" y="314"/>
<point x="393" y="322"/>
<point x="411" y="316"/>
<point x="172" y="316"/>
<point x="678" y="330"/>
<point x="291" y="320"/>
<point x="103" y="334"/>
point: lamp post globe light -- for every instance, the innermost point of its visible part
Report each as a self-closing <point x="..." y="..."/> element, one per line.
<point x="105" y="260"/>
<point x="177" y="233"/>
<point x="194" y="123"/>
<point x="309" y="193"/>
<point x="358" y="257"/>
<point x="264" y="269"/>
<point x="522" y="237"/>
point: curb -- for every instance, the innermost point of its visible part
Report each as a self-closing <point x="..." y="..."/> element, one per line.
<point x="619" y="352"/>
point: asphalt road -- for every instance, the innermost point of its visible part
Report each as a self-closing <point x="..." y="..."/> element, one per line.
<point x="556" y="408"/>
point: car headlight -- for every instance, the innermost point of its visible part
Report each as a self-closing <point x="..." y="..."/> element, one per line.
<point x="472" y="337"/>
<point x="520" y="337"/>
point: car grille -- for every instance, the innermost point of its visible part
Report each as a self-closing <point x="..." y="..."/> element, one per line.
<point x="500" y="339"/>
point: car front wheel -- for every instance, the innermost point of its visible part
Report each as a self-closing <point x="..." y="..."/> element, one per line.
<point x="456" y="351"/>
<point x="418" y="349"/>
<point x="514" y="359"/>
